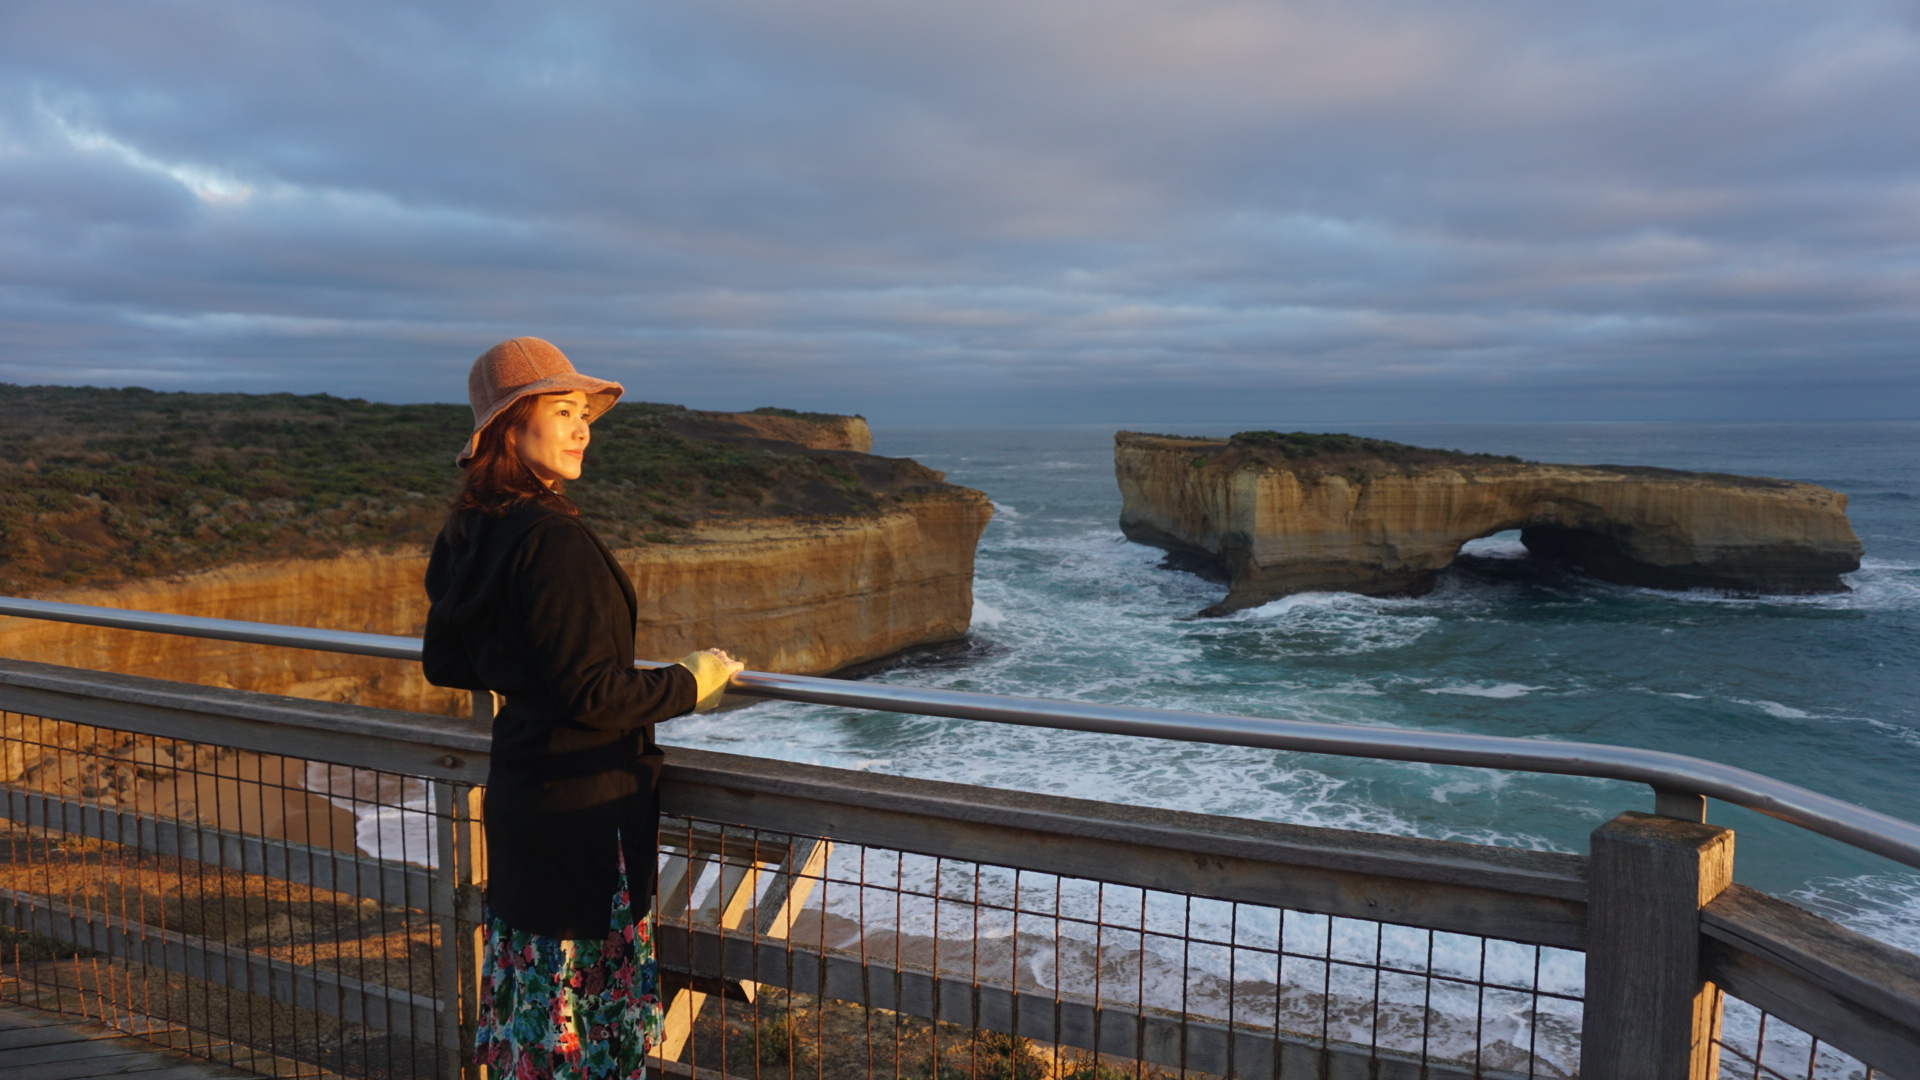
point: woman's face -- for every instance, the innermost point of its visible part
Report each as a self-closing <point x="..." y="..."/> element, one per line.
<point x="553" y="441"/>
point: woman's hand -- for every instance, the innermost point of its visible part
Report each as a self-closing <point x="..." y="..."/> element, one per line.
<point x="733" y="666"/>
<point x="711" y="669"/>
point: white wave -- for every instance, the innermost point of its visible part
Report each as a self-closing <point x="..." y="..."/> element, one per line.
<point x="1334" y="624"/>
<point x="1498" y="690"/>
<point x="398" y="833"/>
<point x="1300" y="602"/>
<point x="1879" y="585"/>
<point x="1052" y="943"/>
<point x="1083" y="617"/>
<point x="1885" y="907"/>
<point x="393" y="815"/>
<point x="1901" y="732"/>
<point x="986" y="616"/>
<point x="1868" y="565"/>
<point x="1441" y="794"/>
<point x="1501" y="545"/>
<point x="1883" y="585"/>
<point x="1776" y="710"/>
<point x="1227" y="780"/>
<point x="1001" y="509"/>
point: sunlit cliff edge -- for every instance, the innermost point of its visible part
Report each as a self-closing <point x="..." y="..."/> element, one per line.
<point x="772" y="534"/>
<point x="1271" y="515"/>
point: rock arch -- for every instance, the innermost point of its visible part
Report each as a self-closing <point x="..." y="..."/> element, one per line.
<point x="1384" y="519"/>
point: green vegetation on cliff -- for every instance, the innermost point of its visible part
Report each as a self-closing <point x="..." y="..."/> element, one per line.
<point x="796" y="414"/>
<point x="1310" y="452"/>
<point x="1330" y="446"/>
<point x="1357" y="457"/>
<point x="100" y="485"/>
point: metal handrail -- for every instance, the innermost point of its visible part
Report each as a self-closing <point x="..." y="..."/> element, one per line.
<point x="257" y="633"/>
<point x="1666" y="773"/>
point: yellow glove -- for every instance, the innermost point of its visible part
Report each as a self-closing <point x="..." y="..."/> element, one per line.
<point x="710" y="674"/>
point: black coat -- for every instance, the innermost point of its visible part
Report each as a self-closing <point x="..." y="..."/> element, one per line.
<point x="532" y="606"/>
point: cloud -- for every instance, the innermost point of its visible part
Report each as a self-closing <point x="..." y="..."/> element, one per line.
<point x="988" y="211"/>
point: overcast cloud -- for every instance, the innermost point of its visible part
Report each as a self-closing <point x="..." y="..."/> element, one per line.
<point x="982" y="211"/>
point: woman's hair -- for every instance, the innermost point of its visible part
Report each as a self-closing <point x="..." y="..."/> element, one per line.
<point x="496" y="480"/>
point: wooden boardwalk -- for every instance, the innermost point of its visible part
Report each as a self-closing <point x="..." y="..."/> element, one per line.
<point x="36" y="1045"/>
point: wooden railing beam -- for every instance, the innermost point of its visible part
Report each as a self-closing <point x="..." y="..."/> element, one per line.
<point x="1529" y="896"/>
<point x="1839" y="986"/>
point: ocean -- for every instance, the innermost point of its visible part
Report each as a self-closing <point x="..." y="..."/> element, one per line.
<point x="1823" y="691"/>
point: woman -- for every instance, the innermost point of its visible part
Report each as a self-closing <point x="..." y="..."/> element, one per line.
<point x="528" y="603"/>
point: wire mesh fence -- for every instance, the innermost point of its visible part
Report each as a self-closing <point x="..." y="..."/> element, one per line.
<point x="283" y="916"/>
<point x="881" y="962"/>
<point x="1756" y="1046"/>
<point x="294" y="917"/>
<point x="297" y="917"/>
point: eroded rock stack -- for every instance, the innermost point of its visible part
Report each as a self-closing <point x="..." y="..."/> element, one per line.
<point x="1273" y="514"/>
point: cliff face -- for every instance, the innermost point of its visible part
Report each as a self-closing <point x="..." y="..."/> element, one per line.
<point x="104" y="487"/>
<point x="371" y="592"/>
<point x="815" y="431"/>
<point x="772" y="533"/>
<point x="814" y="596"/>
<point x="1271" y="523"/>
<point x="802" y="596"/>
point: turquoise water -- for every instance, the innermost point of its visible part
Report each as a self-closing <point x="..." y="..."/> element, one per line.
<point x="1824" y="691"/>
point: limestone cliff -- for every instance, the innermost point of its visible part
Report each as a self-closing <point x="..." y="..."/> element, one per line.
<point x="816" y="431"/>
<point x="106" y="486"/>
<point x="770" y="533"/>
<point x="1273" y="514"/>
<point x="803" y="596"/>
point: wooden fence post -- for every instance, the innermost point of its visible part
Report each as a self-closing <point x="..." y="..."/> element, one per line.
<point x="1649" y="1014"/>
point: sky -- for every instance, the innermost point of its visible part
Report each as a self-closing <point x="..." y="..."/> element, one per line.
<point x="1274" y="213"/>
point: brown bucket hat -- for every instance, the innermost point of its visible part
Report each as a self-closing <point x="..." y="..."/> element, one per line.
<point x="527" y="365"/>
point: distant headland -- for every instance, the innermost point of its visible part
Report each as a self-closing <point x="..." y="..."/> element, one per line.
<point x="1271" y="514"/>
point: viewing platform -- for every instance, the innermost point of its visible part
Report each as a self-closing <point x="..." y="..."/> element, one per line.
<point x="292" y="888"/>
<point x="41" y="1045"/>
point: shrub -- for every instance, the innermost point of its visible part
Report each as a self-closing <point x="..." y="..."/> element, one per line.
<point x="1094" y="1070"/>
<point x="796" y="414"/>
<point x="778" y="1040"/>
<point x="1303" y="445"/>
<point x="994" y="1057"/>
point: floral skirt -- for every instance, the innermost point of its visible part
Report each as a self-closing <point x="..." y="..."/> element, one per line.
<point x="552" y="1009"/>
